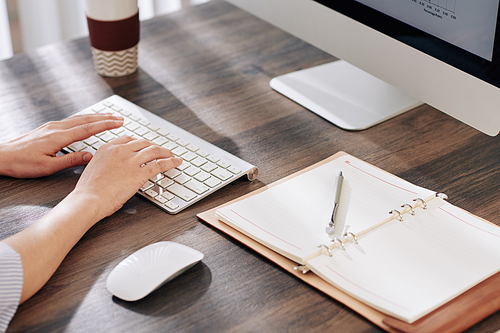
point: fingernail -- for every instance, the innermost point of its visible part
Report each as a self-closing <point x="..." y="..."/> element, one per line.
<point x="87" y="157"/>
<point x="179" y="160"/>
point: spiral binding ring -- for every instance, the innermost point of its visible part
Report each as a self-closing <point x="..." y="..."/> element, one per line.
<point x="353" y="237"/>
<point x="442" y="196"/>
<point x="301" y="268"/>
<point x="411" y="208"/>
<point x="327" y="249"/>
<point x="341" y="243"/>
<point x="424" y="204"/>
<point x="395" y="211"/>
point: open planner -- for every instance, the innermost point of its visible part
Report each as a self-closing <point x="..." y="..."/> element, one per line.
<point x="404" y="252"/>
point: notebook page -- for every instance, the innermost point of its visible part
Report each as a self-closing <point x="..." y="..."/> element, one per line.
<point x="291" y="217"/>
<point x="407" y="269"/>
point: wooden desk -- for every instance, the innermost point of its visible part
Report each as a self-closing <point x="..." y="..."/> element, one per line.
<point x="207" y="70"/>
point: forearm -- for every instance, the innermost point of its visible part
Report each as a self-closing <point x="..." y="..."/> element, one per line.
<point x="5" y="160"/>
<point x="44" y="244"/>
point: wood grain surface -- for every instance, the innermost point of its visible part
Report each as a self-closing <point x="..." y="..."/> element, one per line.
<point x="207" y="69"/>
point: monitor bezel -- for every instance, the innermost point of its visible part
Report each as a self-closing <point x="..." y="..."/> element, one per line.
<point x="427" y="43"/>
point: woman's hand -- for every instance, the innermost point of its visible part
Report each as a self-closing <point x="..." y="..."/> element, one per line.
<point x="118" y="170"/>
<point x="34" y="154"/>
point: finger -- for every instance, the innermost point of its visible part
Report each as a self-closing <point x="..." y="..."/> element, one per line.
<point x="80" y="119"/>
<point x="88" y="129"/>
<point x="68" y="161"/>
<point x="122" y="140"/>
<point x="161" y="165"/>
<point x="140" y="144"/>
<point x="153" y="152"/>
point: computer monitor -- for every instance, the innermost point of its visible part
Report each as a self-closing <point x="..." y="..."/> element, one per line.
<point x="440" y="52"/>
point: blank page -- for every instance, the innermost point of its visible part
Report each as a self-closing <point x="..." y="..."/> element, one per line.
<point x="407" y="269"/>
<point x="291" y="217"/>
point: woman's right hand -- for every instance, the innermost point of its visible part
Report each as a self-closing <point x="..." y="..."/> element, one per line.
<point x="118" y="170"/>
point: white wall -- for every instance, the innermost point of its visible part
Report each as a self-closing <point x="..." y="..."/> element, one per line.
<point x="47" y="21"/>
<point x="5" y="40"/>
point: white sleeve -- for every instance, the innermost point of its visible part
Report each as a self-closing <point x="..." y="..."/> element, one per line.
<point x="11" y="284"/>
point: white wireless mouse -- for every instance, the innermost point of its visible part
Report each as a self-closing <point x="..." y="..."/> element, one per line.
<point x="149" y="268"/>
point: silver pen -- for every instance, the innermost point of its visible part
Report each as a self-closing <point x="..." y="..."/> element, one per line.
<point x="330" y="228"/>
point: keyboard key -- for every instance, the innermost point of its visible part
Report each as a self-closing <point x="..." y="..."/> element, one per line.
<point x="182" y="192"/>
<point x="172" y="205"/>
<point x="202" y="176"/>
<point x="183" y="166"/>
<point x="107" y="103"/>
<point x="202" y="153"/>
<point x="170" y="145"/>
<point x="160" y="140"/>
<point x="106" y="137"/>
<point x="98" y="107"/>
<point x="172" y="137"/>
<point x="117" y="131"/>
<point x="162" y="132"/>
<point x="165" y="182"/>
<point x="168" y="195"/>
<point x="222" y="174"/>
<point x="126" y="132"/>
<point x="77" y="146"/>
<point x="132" y="126"/>
<point x="143" y="122"/>
<point x="152" y="193"/>
<point x="90" y="141"/>
<point x="189" y="156"/>
<point x="212" y="181"/>
<point x="150" y="136"/>
<point x="116" y="108"/>
<point x="181" y="142"/>
<point x="182" y="178"/>
<point x="156" y="178"/>
<point x="141" y="130"/>
<point x="199" y="161"/>
<point x="98" y="144"/>
<point x="179" y="151"/>
<point x="134" y="117"/>
<point x="208" y="167"/>
<point x="191" y="171"/>
<point x="161" y="199"/>
<point x="196" y="186"/>
<point x="172" y="173"/>
<point x="234" y="170"/>
<point x="126" y="113"/>
<point x="223" y="164"/>
<point x="153" y="127"/>
<point x="213" y="158"/>
<point x="192" y="147"/>
<point x="147" y="186"/>
<point x="100" y="134"/>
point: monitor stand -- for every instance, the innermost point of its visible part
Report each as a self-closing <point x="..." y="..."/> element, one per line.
<point x="344" y="95"/>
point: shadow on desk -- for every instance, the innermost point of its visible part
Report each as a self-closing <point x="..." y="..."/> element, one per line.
<point x="143" y="90"/>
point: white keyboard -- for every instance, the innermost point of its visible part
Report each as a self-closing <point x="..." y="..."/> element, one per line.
<point x="205" y="168"/>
